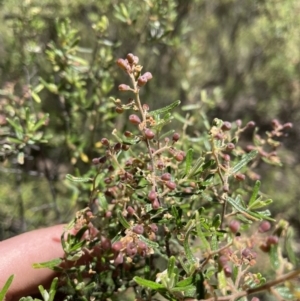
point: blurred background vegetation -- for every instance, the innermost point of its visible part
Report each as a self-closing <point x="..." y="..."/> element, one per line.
<point x="231" y="59"/>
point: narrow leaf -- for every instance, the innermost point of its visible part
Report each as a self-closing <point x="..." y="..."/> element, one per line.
<point x="171" y="266"/>
<point x="254" y="193"/>
<point x="244" y="211"/>
<point x="188" y="160"/>
<point x="185" y="282"/>
<point x="77" y="179"/>
<point x="275" y="263"/>
<point x="244" y="161"/>
<point x="166" y="109"/>
<point x="48" y="264"/>
<point x="188" y="252"/>
<point x="148" y="283"/>
<point x="204" y="244"/>
<point x="148" y="242"/>
<point x="183" y="288"/>
<point x="122" y="220"/>
<point x="6" y="287"/>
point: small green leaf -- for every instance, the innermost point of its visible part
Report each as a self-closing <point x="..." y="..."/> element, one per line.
<point x="288" y="246"/>
<point x="40" y="123"/>
<point x="188" y="160"/>
<point x="36" y="97"/>
<point x="188" y="252"/>
<point x="6" y="287"/>
<point x="204" y="244"/>
<point x="254" y="193"/>
<point x="48" y="264"/>
<point x="77" y="179"/>
<point x="183" y="288"/>
<point x="122" y="220"/>
<point x="166" y="109"/>
<point x="244" y="161"/>
<point x="15" y="123"/>
<point x="148" y="242"/>
<point x="171" y="266"/>
<point x="244" y="211"/>
<point x="185" y="282"/>
<point x="222" y="283"/>
<point x="148" y="283"/>
<point x="216" y="221"/>
<point x="196" y="168"/>
<point x="274" y="258"/>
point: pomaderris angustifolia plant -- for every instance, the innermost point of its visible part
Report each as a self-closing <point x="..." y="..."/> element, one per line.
<point x="174" y="216"/>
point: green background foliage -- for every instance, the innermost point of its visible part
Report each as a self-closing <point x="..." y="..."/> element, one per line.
<point x="231" y="59"/>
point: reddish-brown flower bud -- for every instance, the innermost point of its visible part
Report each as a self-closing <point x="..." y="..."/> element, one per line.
<point x="95" y="161"/>
<point x="127" y="134"/>
<point x="134" y="119"/>
<point x="130" y="210"/>
<point x="166" y="177"/>
<point x="234" y="226"/>
<point x="250" y="124"/>
<point x="104" y="141"/>
<point x="130" y="58"/>
<point x="226" y="126"/>
<point x="171" y="185"/>
<point x="123" y="87"/>
<point x="240" y="177"/>
<point x="230" y="146"/>
<point x="264" y="226"/>
<point x="119" y="110"/>
<point x="227" y="271"/>
<point x="147" y="75"/>
<point x="175" y="137"/>
<point x="152" y="195"/>
<point x="272" y="240"/>
<point x="142" y="80"/>
<point x="154" y="227"/>
<point x="116" y="246"/>
<point x="264" y="247"/>
<point x="155" y="204"/>
<point x="149" y="134"/>
<point x="179" y="157"/>
<point x="138" y="229"/>
<point x="123" y="64"/>
<point x="102" y="159"/>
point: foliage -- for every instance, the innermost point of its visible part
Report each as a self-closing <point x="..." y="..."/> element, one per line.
<point x="187" y="193"/>
<point x="168" y="218"/>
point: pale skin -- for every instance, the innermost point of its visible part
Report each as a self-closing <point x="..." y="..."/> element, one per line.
<point x="17" y="255"/>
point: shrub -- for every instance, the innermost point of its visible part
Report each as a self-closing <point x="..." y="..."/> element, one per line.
<point x="172" y="214"/>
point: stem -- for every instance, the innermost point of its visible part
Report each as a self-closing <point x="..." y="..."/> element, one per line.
<point x="266" y="286"/>
<point x="139" y="105"/>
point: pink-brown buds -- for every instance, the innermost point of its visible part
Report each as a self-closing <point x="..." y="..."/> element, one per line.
<point x="264" y="227"/>
<point x="152" y="195"/>
<point x="130" y="58"/>
<point x="250" y="124"/>
<point x="171" y="185"/>
<point x="234" y="226"/>
<point x="149" y="134"/>
<point x="138" y="229"/>
<point x="134" y="119"/>
<point x="175" y="137"/>
<point x="166" y="177"/>
<point x="142" y="80"/>
<point x="123" y="64"/>
<point x="124" y="87"/>
<point x="147" y="75"/>
<point x="226" y="126"/>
